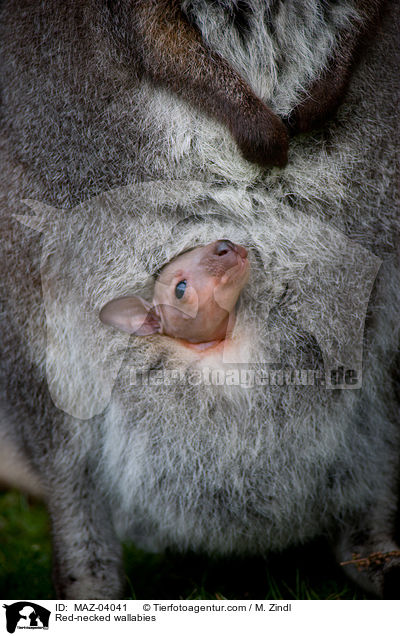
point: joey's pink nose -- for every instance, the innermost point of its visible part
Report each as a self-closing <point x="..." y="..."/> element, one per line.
<point x="224" y="246"/>
<point x="241" y="251"/>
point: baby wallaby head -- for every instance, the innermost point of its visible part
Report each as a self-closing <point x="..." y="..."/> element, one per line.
<point x="194" y="296"/>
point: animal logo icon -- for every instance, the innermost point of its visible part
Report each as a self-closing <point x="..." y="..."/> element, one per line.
<point x="25" y="614"/>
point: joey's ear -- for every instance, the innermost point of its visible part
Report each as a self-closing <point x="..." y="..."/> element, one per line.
<point x="131" y="314"/>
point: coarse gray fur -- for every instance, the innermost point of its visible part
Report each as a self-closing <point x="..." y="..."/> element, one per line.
<point x="211" y="467"/>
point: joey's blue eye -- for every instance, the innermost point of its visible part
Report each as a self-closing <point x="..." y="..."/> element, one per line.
<point x="180" y="289"/>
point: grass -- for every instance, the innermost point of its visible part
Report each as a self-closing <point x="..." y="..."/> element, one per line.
<point x="25" y="552"/>
<point x="306" y="573"/>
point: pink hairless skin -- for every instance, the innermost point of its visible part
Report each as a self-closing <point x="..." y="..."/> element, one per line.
<point x="194" y="297"/>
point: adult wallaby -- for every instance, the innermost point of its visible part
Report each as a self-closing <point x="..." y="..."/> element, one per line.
<point x="96" y="98"/>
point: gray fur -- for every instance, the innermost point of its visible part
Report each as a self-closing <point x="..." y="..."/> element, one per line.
<point x="218" y="468"/>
